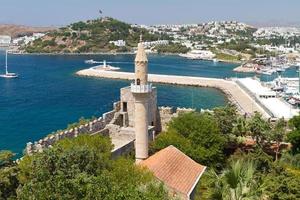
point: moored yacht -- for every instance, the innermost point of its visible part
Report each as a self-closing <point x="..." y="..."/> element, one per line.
<point x="8" y="74"/>
<point x="91" y="61"/>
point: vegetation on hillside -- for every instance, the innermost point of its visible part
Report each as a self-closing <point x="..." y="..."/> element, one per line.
<point x="91" y="36"/>
<point x="172" y="48"/>
<point x="227" y="57"/>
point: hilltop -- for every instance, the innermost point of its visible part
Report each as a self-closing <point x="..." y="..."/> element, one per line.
<point x="91" y="36"/>
<point x="20" y="30"/>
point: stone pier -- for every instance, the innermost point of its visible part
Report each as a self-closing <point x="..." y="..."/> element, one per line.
<point x="233" y="91"/>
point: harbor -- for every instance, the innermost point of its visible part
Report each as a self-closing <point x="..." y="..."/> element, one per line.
<point x="244" y="102"/>
<point x="250" y="95"/>
<point x="269" y="65"/>
<point x="47" y="96"/>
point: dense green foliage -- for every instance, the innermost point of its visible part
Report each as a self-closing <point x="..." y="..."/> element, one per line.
<point x="227" y="57"/>
<point x="251" y="176"/>
<point x="83" y="168"/>
<point x="197" y="135"/>
<point x="92" y="36"/>
<point x="172" y="48"/>
<point x="80" y="168"/>
<point x="240" y="46"/>
<point x="8" y="175"/>
<point x="294" y="135"/>
<point x="258" y="128"/>
<point x="235" y="170"/>
<point x="235" y="182"/>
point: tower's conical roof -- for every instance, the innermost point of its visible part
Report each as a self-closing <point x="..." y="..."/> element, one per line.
<point x="141" y="55"/>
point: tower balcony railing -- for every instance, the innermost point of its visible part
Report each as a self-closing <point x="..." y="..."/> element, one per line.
<point x="141" y="88"/>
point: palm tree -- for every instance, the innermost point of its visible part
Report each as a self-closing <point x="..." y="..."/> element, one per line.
<point x="236" y="182"/>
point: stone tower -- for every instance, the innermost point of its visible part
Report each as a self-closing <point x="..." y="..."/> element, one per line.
<point x="141" y="90"/>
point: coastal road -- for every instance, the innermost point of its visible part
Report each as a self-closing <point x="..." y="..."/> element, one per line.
<point x="234" y="93"/>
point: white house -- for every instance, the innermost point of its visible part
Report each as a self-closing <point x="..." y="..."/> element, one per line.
<point x="118" y="43"/>
<point x="5" y="40"/>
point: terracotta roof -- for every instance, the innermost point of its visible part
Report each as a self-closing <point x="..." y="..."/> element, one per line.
<point x="141" y="55"/>
<point x="178" y="171"/>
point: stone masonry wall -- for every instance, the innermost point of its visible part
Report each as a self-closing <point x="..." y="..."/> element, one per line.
<point x="167" y="113"/>
<point x="98" y="126"/>
<point x="89" y="128"/>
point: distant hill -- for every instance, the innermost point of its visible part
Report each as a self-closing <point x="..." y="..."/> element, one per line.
<point x="19" y="30"/>
<point x="91" y="36"/>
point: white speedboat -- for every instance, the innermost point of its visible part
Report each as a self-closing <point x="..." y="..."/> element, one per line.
<point x="91" y="61"/>
<point x="267" y="73"/>
<point x="279" y="69"/>
<point x="8" y="74"/>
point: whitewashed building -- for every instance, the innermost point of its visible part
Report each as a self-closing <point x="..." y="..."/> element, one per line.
<point x="5" y="40"/>
<point x="118" y="43"/>
<point x="155" y="43"/>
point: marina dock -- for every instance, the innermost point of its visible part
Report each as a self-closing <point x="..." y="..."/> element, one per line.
<point x="235" y="94"/>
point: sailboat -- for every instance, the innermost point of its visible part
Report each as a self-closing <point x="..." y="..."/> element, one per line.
<point x="7" y="74"/>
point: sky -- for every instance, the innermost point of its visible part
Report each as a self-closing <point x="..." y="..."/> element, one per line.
<point x="63" y="12"/>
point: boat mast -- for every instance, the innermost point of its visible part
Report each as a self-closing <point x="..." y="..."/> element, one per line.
<point x="6" y="62"/>
<point x="299" y="78"/>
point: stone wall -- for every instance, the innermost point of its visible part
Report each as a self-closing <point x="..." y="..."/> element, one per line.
<point x="99" y="126"/>
<point x="127" y="97"/>
<point x="93" y="127"/>
<point x="167" y="113"/>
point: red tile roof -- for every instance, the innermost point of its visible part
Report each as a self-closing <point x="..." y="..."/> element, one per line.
<point x="175" y="169"/>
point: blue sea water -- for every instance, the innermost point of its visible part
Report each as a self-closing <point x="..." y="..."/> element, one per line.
<point x="47" y="96"/>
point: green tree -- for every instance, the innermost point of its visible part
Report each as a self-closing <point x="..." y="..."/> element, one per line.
<point x="226" y="118"/>
<point x="240" y="128"/>
<point x="291" y="160"/>
<point x="197" y="135"/>
<point x="82" y="168"/>
<point x="281" y="185"/>
<point x="277" y="135"/>
<point x="8" y="175"/>
<point x="294" y="135"/>
<point x="258" y="128"/>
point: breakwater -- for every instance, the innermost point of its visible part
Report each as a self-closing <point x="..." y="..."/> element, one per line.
<point x="234" y="92"/>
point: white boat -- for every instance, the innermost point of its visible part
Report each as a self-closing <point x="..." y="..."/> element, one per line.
<point x="267" y="73"/>
<point x="91" y="61"/>
<point x="279" y="69"/>
<point x="8" y="74"/>
<point x="105" y="67"/>
<point x="215" y="60"/>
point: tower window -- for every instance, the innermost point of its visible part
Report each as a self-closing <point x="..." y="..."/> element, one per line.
<point x="124" y="106"/>
<point x="138" y="81"/>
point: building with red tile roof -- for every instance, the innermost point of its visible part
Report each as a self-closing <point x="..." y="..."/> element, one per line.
<point x="176" y="170"/>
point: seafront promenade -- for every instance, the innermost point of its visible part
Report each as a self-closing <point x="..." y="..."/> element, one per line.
<point x="235" y="94"/>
